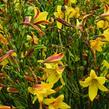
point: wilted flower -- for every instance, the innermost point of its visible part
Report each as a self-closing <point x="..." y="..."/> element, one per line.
<point x="12" y="90"/>
<point x="37" y="21"/>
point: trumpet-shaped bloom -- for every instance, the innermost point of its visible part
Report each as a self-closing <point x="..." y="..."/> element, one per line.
<point x="56" y="103"/>
<point x="53" y="68"/>
<point x="53" y="72"/>
<point x="41" y="90"/>
<point x="94" y="83"/>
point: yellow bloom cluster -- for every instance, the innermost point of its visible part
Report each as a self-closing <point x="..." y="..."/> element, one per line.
<point x="103" y="23"/>
<point x="66" y="13"/>
<point x="93" y="82"/>
<point x="52" y="74"/>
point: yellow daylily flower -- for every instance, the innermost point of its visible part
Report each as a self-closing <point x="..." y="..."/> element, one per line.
<point x="70" y="12"/>
<point x="96" y="45"/>
<point x="56" y="103"/>
<point x="53" y="68"/>
<point x="94" y="83"/>
<point x="41" y="90"/>
<point x="66" y="14"/>
<point x="53" y="72"/>
<point x="102" y="24"/>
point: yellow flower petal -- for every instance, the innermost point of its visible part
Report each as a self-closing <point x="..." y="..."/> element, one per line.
<point x="35" y="98"/>
<point x="41" y="90"/>
<point x="62" y="81"/>
<point x="49" y="101"/>
<point x="102" y="87"/>
<point x="100" y="24"/>
<point x="93" y="89"/>
<point x="53" y="77"/>
<point x="96" y="45"/>
<point x="70" y="2"/>
<point x="59" y="8"/>
<point x="86" y="82"/>
<point x="41" y="17"/>
<point x="106" y="34"/>
<point x="49" y="92"/>
<point x="40" y="97"/>
<point x="56" y="103"/>
<point x="101" y="80"/>
<point x="70" y="12"/>
<point x="50" y="65"/>
<point x="93" y="74"/>
<point x="31" y="90"/>
<point x="51" y="107"/>
<point x="105" y="64"/>
<point x="59" y="25"/>
<point x="64" y="106"/>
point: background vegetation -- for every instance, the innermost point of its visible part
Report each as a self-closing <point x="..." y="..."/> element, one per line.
<point x="24" y="45"/>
